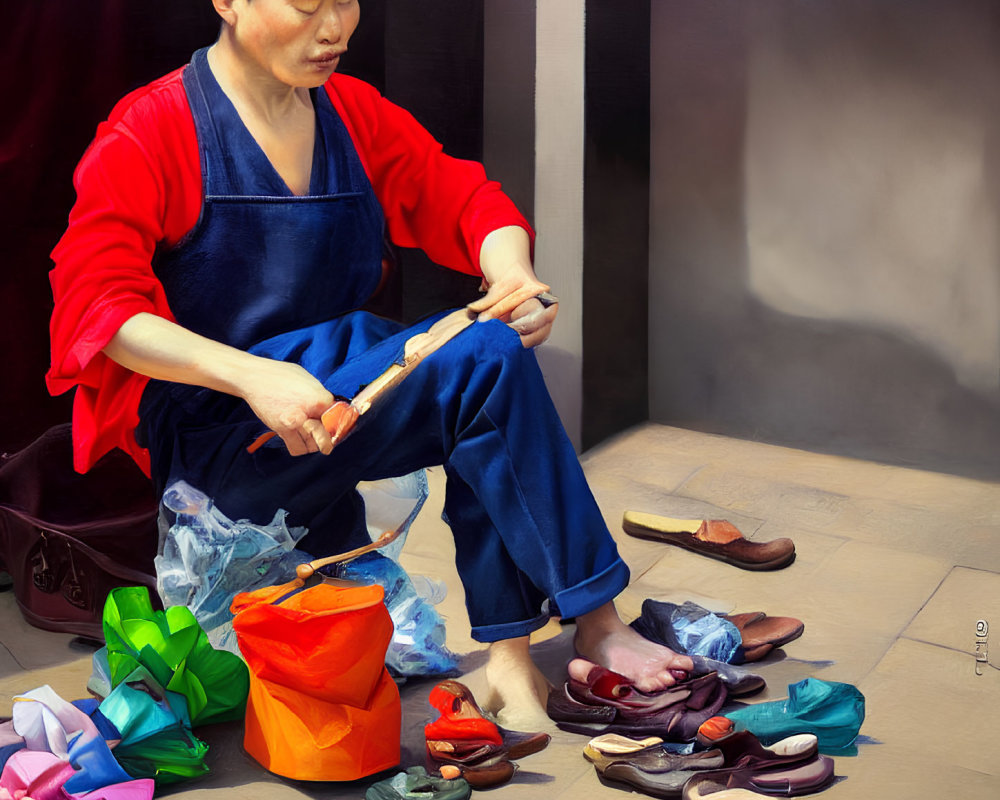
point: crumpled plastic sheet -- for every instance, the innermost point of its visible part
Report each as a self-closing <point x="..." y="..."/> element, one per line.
<point x="690" y="629"/>
<point x="42" y="776"/>
<point x="206" y="559"/>
<point x="418" y="641"/>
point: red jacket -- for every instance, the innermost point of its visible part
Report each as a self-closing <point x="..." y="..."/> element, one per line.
<point x="139" y="187"/>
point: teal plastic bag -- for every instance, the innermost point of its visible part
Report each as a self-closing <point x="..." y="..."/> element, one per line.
<point x="832" y="711"/>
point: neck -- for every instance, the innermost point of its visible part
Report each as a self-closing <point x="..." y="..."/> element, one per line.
<point x="248" y="85"/>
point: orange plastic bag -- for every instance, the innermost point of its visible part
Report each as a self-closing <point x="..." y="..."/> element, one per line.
<point x="322" y="706"/>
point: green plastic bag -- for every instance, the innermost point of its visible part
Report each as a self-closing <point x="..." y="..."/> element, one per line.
<point x="172" y="646"/>
<point x="172" y="755"/>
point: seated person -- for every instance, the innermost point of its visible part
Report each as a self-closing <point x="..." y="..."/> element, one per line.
<point x="228" y="226"/>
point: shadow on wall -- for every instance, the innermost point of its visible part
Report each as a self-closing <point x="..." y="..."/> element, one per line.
<point x="840" y="388"/>
<point x="810" y="282"/>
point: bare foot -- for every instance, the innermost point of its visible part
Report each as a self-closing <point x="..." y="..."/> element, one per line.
<point x="603" y="638"/>
<point x="516" y="688"/>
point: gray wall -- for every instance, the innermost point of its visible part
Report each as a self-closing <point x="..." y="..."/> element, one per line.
<point x="825" y="188"/>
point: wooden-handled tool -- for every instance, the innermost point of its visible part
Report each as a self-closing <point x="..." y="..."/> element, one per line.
<point x="304" y="571"/>
<point x="340" y="418"/>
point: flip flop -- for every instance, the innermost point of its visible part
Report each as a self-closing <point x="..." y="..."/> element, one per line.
<point x="714" y="538"/>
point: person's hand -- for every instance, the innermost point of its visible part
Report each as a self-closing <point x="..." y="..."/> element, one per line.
<point x="513" y="288"/>
<point x="290" y="402"/>
<point x="533" y="319"/>
<point x="284" y="396"/>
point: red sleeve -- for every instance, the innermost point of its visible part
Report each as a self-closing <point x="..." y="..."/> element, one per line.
<point x="443" y="205"/>
<point x="138" y="187"/>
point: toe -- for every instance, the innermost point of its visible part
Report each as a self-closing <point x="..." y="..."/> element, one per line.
<point x="579" y="669"/>
<point x="682" y="662"/>
<point x="668" y="678"/>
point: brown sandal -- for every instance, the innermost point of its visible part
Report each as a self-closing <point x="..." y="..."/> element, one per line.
<point x="714" y="538"/>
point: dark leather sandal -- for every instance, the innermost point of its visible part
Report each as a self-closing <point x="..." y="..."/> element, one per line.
<point x="802" y="778"/>
<point x="656" y="784"/>
<point x="609" y="703"/>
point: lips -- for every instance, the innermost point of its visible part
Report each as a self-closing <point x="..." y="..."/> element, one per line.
<point x="327" y="58"/>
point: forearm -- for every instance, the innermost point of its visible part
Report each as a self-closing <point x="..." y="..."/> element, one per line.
<point x="285" y="397"/>
<point x="506" y="251"/>
<point x="161" y="349"/>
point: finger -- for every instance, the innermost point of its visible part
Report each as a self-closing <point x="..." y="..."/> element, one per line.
<point x="293" y="443"/>
<point x="307" y="441"/>
<point x="500" y="292"/>
<point x="317" y="436"/>
<point x="493" y="295"/>
<point x="536" y="337"/>
<point x="507" y="304"/>
<point x="536" y="327"/>
<point x="532" y="315"/>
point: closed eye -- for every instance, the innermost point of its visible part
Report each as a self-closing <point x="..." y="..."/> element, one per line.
<point x="307" y="6"/>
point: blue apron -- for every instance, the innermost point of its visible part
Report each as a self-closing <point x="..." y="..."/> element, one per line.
<point x="282" y="277"/>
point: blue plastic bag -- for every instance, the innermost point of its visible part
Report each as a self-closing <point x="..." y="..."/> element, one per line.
<point x="689" y="629"/>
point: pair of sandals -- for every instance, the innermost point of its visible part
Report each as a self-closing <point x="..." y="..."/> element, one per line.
<point x="737" y="766"/>
<point x="602" y="701"/>
<point x="463" y="742"/>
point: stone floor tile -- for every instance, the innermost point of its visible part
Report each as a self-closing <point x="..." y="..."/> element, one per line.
<point x="927" y="705"/>
<point x="950" y="493"/>
<point x="68" y="679"/>
<point x="950" y="617"/>
<point x="8" y="664"/>
<point x="965" y="540"/>
<point x="616" y="494"/>
<point x="647" y="453"/>
<point x="875" y="773"/>
<point x="786" y="501"/>
<point x="32" y="647"/>
<point x="429" y="535"/>
<point x="831" y="473"/>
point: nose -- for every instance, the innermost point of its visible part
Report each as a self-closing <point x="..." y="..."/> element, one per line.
<point x="330" y="29"/>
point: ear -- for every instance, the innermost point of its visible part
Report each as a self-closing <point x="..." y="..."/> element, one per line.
<point x="224" y="8"/>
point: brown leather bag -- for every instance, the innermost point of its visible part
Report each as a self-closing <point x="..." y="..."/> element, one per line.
<point x="67" y="539"/>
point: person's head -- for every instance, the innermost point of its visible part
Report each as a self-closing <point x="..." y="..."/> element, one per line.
<point x="298" y="41"/>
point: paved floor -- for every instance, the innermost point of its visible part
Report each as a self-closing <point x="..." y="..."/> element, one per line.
<point x="894" y="569"/>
